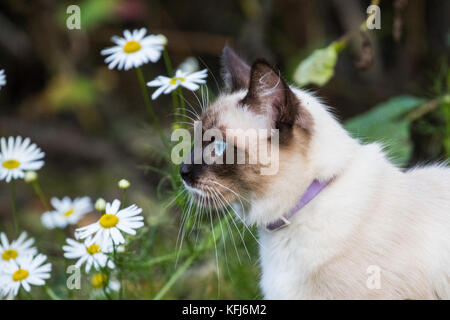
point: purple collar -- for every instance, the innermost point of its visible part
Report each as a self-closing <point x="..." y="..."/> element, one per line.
<point x="313" y="190"/>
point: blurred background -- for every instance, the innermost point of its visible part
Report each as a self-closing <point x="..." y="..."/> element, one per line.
<point x="390" y="84"/>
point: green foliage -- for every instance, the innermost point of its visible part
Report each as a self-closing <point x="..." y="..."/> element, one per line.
<point x="387" y="122"/>
<point x="318" y="68"/>
<point x="445" y="103"/>
<point x="72" y="91"/>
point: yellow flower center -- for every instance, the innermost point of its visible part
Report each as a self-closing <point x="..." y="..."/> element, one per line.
<point x="93" y="249"/>
<point x="99" y="280"/>
<point x="68" y="213"/>
<point x="9" y="254"/>
<point x="131" y="46"/>
<point x="20" y="275"/>
<point x="108" y="220"/>
<point x="11" y="164"/>
<point x="175" y="79"/>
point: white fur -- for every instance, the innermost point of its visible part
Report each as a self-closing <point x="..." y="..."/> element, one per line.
<point x="372" y="214"/>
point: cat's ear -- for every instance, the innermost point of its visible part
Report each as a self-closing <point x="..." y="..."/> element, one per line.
<point x="235" y="72"/>
<point x="269" y="94"/>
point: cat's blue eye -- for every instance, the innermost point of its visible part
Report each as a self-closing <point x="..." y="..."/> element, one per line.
<point x="219" y="147"/>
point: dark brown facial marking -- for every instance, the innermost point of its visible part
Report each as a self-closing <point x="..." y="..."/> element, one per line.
<point x="268" y="93"/>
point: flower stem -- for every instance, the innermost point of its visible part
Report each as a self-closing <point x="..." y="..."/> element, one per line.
<point x="206" y="243"/>
<point x="38" y="190"/>
<point x="169" y="70"/>
<point x="164" y="258"/>
<point x="175" y="104"/>
<point x="168" y="63"/>
<point x="148" y="105"/>
<point x="124" y="198"/>
<point x="105" y="292"/>
<point x="119" y="269"/>
<point x="105" y="285"/>
<point x="14" y="206"/>
<point x="176" y="275"/>
<point x="51" y="293"/>
<point x="183" y="105"/>
<point x="28" y="294"/>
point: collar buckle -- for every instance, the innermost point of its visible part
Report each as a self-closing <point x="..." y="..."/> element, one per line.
<point x="284" y="224"/>
<point x="313" y="190"/>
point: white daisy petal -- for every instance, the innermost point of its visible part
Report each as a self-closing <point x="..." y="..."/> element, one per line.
<point x="189" y="81"/>
<point x="109" y="228"/>
<point x="24" y="271"/>
<point x="190" y="86"/>
<point x="159" y="91"/>
<point x="66" y="212"/>
<point x="134" y="49"/>
<point x="20" y="248"/>
<point x="88" y="252"/>
<point x="18" y="156"/>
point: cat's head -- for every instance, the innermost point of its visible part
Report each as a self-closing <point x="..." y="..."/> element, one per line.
<point x="256" y="99"/>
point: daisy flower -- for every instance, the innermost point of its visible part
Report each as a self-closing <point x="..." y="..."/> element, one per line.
<point x="190" y="81"/>
<point x="2" y="78"/>
<point x="67" y="212"/>
<point x="18" y="248"/>
<point x="24" y="271"/>
<point x="109" y="228"/>
<point x="101" y="281"/>
<point x="88" y="252"/>
<point x="18" y="156"/>
<point x="134" y="49"/>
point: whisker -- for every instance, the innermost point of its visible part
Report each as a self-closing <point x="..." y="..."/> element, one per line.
<point x="235" y="225"/>
<point x="183" y="115"/>
<point x="232" y="191"/>
<point x="215" y="247"/>
<point x="215" y="199"/>
<point x="195" y="114"/>
<point x="228" y="226"/>
<point x="188" y="103"/>
<point x="180" y="192"/>
<point x="242" y="206"/>
<point x="185" y="218"/>
<point x="210" y="71"/>
<point x="198" y="100"/>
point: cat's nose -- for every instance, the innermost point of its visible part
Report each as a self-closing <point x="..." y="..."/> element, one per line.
<point x="186" y="171"/>
<point x="189" y="170"/>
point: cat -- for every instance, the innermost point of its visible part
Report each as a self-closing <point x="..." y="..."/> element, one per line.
<point x="370" y="231"/>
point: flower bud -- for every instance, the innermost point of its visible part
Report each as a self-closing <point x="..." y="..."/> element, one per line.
<point x="30" y="176"/>
<point x="124" y="184"/>
<point x="163" y="39"/>
<point x="100" y="204"/>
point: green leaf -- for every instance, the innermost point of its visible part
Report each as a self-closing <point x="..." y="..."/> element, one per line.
<point x="72" y="91"/>
<point x="318" y="68"/>
<point x="388" y="124"/>
<point x="94" y="13"/>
